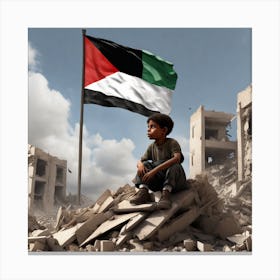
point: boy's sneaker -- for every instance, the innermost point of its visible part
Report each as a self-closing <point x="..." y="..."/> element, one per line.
<point x="141" y="197"/>
<point x="165" y="200"/>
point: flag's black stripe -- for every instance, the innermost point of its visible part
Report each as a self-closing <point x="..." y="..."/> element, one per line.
<point x="95" y="97"/>
<point x="126" y="59"/>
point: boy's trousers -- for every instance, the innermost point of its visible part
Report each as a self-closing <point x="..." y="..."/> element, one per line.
<point x="174" y="176"/>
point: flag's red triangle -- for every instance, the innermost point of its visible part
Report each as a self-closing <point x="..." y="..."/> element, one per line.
<point x="97" y="66"/>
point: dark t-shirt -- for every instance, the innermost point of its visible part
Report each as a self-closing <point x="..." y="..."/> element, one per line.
<point x="162" y="152"/>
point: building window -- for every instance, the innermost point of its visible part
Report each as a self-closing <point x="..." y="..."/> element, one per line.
<point x="41" y="167"/>
<point x="59" y="174"/>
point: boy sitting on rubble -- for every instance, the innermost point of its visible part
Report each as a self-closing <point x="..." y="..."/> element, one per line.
<point x="160" y="167"/>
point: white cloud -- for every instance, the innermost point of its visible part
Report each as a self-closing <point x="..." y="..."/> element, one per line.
<point x="32" y="57"/>
<point x="107" y="163"/>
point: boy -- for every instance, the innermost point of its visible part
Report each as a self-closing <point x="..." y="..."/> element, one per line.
<point x="160" y="167"/>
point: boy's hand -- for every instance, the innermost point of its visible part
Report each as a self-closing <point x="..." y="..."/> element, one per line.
<point x="141" y="169"/>
<point x="149" y="175"/>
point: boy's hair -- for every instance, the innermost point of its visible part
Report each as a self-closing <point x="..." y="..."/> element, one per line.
<point x="163" y="121"/>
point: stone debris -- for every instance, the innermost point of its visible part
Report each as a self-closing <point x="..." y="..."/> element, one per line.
<point x="212" y="215"/>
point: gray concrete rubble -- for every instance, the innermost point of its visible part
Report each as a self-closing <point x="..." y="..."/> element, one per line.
<point x="214" y="215"/>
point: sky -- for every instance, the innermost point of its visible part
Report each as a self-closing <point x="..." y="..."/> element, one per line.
<point x="213" y="65"/>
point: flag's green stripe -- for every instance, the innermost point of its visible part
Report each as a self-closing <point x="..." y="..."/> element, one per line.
<point x="158" y="71"/>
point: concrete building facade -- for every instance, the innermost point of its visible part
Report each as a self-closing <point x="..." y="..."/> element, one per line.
<point x="46" y="179"/>
<point x="244" y="133"/>
<point x="209" y="142"/>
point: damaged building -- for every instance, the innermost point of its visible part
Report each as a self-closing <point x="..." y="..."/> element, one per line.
<point x="213" y="215"/>
<point x="244" y="133"/>
<point x="209" y="141"/>
<point x="46" y="179"/>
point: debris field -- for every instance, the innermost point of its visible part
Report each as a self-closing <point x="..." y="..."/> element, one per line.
<point x="203" y="218"/>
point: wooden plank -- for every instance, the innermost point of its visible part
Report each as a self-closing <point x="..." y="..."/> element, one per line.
<point x="108" y="225"/>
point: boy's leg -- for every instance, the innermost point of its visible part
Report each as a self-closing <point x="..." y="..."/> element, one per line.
<point x="175" y="178"/>
<point x="156" y="183"/>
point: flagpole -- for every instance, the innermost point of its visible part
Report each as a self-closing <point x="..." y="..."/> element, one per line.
<point x="81" y="122"/>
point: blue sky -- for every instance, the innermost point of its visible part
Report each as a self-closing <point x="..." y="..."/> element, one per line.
<point x="213" y="65"/>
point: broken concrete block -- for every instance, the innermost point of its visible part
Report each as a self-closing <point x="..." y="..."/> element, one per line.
<point x="40" y="232"/>
<point x="226" y="248"/>
<point x="126" y="207"/>
<point x="90" y="248"/>
<point x="67" y="236"/>
<point x="97" y="244"/>
<point x="207" y="224"/>
<point x="106" y="204"/>
<point x="109" y="224"/>
<point x="248" y="243"/>
<point x="133" y="222"/>
<point x="148" y="227"/>
<point x="204" y="247"/>
<point x="32" y="239"/>
<point x="123" y="238"/>
<point x="227" y="226"/>
<point x="148" y="245"/>
<point x="238" y="238"/>
<point x="59" y="218"/>
<point x="137" y="246"/>
<point x="88" y="227"/>
<point x="101" y="199"/>
<point x="73" y="248"/>
<point x="53" y="245"/>
<point x="37" y="246"/>
<point x="178" y="224"/>
<point x="189" y="244"/>
<point x="107" y="245"/>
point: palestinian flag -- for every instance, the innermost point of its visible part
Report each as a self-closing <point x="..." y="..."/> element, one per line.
<point x="119" y="76"/>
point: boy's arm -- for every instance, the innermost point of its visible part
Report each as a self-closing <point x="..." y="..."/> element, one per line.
<point x="141" y="169"/>
<point x="175" y="159"/>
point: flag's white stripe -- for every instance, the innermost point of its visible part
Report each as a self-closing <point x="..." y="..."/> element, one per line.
<point x="134" y="89"/>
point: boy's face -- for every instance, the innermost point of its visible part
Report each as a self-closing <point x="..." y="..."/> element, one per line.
<point x="155" y="131"/>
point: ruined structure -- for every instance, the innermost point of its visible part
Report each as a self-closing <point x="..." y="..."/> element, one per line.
<point x="46" y="179"/>
<point x="209" y="142"/>
<point x="244" y="133"/>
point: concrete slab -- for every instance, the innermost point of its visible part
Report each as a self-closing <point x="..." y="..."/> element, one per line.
<point x="67" y="236"/>
<point x="149" y="226"/>
<point x="178" y="224"/>
<point x="133" y="222"/>
<point x="126" y="207"/>
<point x="40" y="232"/>
<point x="91" y="225"/>
<point x="123" y="238"/>
<point x="106" y="204"/>
<point x="101" y="199"/>
<point x="109" y="224"/>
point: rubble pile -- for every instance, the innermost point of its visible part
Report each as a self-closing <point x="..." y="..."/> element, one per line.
<point x="197" y="221"/>
<point x="237" y="196"/>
